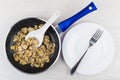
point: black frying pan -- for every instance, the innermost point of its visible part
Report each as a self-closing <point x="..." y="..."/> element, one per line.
<point x="27" y="23"/>
<point x="52" y="32"/>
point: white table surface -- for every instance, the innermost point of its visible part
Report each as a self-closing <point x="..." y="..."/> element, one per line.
<point x="11" y="11"/>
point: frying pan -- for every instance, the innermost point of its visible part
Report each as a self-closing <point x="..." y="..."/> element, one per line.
<point x="52" y="32"/>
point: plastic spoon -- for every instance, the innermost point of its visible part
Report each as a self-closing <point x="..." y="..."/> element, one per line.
<point x="39" y="33"/>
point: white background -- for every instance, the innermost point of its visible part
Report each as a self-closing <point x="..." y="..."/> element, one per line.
<point x="11" y="11"/>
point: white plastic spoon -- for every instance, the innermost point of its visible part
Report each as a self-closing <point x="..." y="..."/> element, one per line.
<point x="39" y="33"/>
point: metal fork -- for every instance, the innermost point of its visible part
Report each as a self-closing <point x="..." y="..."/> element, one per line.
<point x="92" y="41"/>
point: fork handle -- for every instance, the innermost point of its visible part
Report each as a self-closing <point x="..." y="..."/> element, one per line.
<point x="76" y="65"/>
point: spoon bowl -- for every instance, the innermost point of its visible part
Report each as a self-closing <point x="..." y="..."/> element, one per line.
<point x="39" y="33"/>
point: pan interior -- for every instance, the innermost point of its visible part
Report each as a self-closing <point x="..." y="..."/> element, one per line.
<point x="27" y="23"/>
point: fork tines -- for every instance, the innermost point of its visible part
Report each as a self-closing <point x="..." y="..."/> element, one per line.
<point x="97" y="35"/>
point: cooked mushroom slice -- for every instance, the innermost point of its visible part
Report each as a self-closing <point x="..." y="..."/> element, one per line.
<point x="43" y="47"/>
<point x="46" y="39"/>
<point x="36" y="27"/>
<point x="40" y="53"/>
<point x="23" y="62"/>
<point x="47" y="59"/>
<point x="16" y="57"/>
<point x="37" y="65"/>
<point x="42" y="65"/>
<point x="19" y="48"/>
<point x="12" y="47"/>
<point x="30" y="29"/>
<point x="24" y="30"/>
<point x="40" y="25"/>
<point x="28" y="53"/>
<point x="24" y="45"/>
<point x="16" y="38"/>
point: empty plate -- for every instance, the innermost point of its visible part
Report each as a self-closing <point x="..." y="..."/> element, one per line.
<point x="98" y="57"/>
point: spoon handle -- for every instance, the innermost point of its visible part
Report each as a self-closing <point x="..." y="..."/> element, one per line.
<point x="51" y="20"/>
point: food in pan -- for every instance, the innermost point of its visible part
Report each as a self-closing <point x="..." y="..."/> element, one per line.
<point x="27" y="51"/>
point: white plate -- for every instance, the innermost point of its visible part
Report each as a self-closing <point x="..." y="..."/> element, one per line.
<point x="98" y="57"/>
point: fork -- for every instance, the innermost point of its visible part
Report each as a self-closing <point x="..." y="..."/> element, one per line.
<point x="92" y="41"/>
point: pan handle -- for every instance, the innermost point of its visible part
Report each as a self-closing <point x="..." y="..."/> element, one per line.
<point x="68" y="22"/>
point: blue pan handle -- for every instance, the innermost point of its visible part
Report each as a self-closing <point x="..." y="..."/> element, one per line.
<point x="68" y="22"/>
